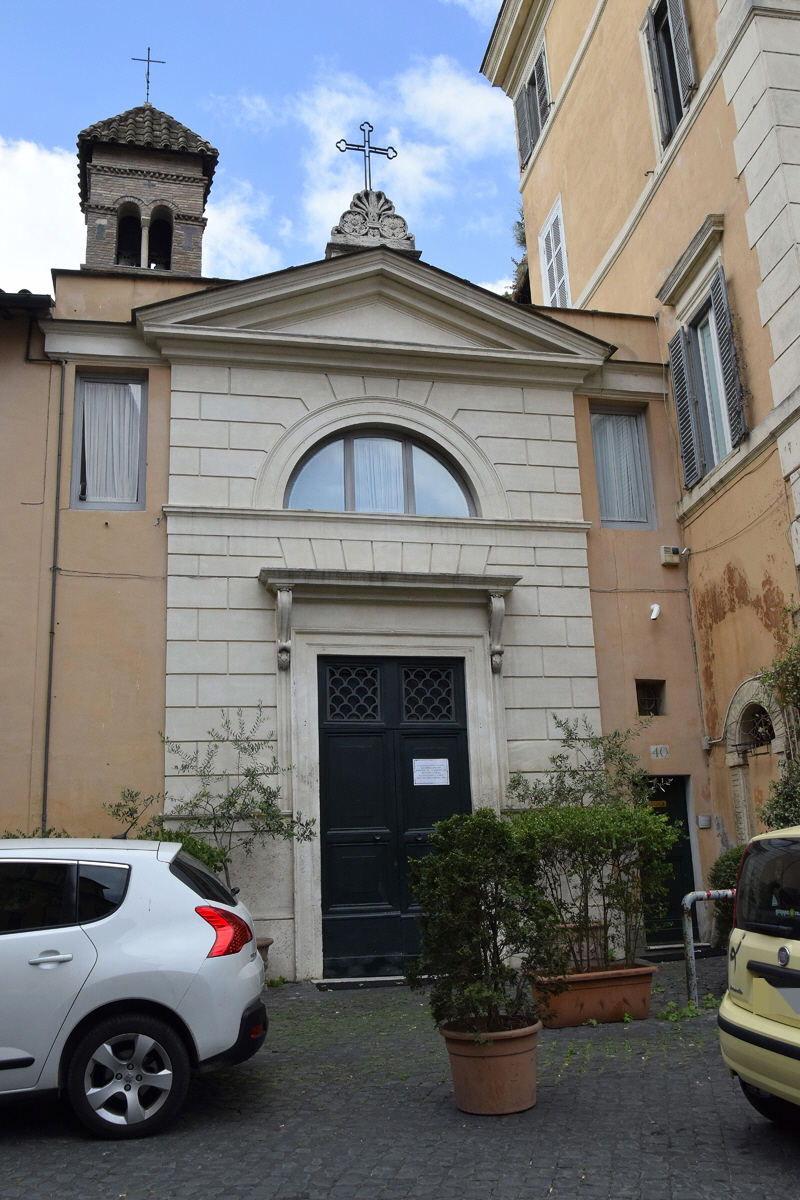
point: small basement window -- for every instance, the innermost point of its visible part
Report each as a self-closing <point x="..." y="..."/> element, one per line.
<point x="651" y="697"/>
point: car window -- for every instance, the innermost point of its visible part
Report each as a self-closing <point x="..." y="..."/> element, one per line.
<point x="197" y="877"/>
<point x="769" y="888"/>
<point x="101" y="889"/>
<point x="36" y="895"/>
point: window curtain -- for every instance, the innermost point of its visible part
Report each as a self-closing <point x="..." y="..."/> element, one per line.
<point x="111" y="431"/>
<point x="619" y="466"/>
<point x="378" y="464"/>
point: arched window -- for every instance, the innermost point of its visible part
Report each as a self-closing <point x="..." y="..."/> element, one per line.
<point x="755" y="727"/>
<point x="160" y="244"/>
<point x="129" y="236"/>
<point x="372" y="471"/>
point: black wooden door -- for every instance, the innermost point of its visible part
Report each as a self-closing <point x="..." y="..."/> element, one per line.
<point x="671" y="800"/>
<point x="393" y="761"/>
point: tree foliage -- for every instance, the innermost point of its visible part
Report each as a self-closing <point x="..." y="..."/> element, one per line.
<point x="233" y="806"/>
<point x="487" y="926"/>
<point x="781" y="682"/>
<point x="723" y="874"/>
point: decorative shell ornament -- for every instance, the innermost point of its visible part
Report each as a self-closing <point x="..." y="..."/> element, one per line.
<point x="370" y="221"/>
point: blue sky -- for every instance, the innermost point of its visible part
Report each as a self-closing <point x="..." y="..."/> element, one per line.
<point x="273" y="84"/>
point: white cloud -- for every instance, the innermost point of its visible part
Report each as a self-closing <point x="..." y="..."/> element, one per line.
<point x="232" y="247"/>
<point x="435" y="115"/>
<point x="41" y="225"/>
<point x="484" y="11"/>
<point x="501" y="286"/>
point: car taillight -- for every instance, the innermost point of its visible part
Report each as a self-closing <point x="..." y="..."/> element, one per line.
<point x="231" y="931"/>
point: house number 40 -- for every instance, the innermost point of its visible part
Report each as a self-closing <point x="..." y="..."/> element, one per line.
<point x="659" y="751"/>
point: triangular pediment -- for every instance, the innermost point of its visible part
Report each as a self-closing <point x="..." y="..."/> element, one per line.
<point x="375" y="298"/>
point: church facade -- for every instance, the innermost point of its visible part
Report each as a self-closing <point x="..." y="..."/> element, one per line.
<point x="352" y="493"/>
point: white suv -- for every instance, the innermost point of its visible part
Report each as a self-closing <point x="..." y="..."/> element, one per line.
<point x="123" y="964"/>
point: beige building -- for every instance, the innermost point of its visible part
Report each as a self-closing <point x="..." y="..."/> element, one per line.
<point x="349" y="492"/>
<point x="659" y="145"/>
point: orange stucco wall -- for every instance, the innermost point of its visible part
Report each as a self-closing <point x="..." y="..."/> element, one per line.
<point x="109" y="644"/>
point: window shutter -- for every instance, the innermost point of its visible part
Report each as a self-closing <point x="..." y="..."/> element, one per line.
<point x="685" y="408"/>
<point x="682" y="49"/>
<point x="727" y="355"/>
<point x="542" y="95"/>
<point x="555" y="270"/>
<point x="523" y="126"/>
<point x="658" y="83"/>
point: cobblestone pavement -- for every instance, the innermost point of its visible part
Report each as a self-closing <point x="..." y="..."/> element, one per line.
<point x="351" y="1098"/>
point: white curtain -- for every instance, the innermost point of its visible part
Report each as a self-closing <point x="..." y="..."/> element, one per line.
<point x="112" y="414"/>
<point x="378" y="475"/>
<point x="621" y="479"/>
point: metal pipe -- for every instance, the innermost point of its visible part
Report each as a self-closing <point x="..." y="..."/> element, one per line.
<point x="687" y="903"/>
<point x="53" y="586"/>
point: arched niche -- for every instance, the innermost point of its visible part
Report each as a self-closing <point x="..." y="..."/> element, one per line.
<point x="159" y="252"/>
<point x="755" y="725"/>
<point x="129" y="234"/>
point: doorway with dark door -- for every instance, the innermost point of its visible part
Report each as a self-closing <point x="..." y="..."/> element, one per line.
<point x="393" y="761"/>
<point x="670" y="799"/>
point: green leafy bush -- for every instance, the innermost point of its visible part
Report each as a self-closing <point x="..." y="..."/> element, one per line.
<point x="602" y="850"/>
<point x="486" y="927"/>
<point x="724" y="874"/>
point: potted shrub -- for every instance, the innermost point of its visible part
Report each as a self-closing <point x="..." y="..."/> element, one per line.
<point x="486" y="926"/>
<point x="602" y="857"/>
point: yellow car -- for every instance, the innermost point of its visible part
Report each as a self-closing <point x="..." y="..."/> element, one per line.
<point x="759" y="1018"/>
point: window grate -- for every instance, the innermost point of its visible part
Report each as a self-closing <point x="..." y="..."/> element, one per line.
<point x="353" y="694"/>
<point x="650" y="697"/>
<point x="428" y="694"/>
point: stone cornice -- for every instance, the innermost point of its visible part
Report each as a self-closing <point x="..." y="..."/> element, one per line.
<point x="273" y="515"/>
<point x="332" y="582"/>
<point x="687" y="266"/>
<point x="235" y="347"/>
<point x="101" y="168"/>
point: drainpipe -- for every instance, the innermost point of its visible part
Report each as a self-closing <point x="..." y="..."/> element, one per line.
<point x="687" y="903"/>
<point x="53" y="570"/>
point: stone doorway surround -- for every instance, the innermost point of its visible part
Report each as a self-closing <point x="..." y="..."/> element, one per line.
<point x="746" y="695"/>
<point x="397" y="614"/>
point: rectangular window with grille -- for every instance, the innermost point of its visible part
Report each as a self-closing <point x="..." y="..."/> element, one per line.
<point x="109" y="443"/>
<point x="671" y="63"/>
<point x="706" y="386"/>
<point x="553" y="260"/>
<point x="622" y="466"/>
<point x="532" y="108"/>
<point x="651" y="698"/>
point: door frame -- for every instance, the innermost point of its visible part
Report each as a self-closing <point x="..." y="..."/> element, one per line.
<point x="298" y="742"/>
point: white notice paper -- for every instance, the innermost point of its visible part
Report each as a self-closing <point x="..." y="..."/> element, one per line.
<point x="431" y="772"/>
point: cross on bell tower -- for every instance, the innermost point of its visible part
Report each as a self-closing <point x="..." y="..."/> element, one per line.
<point x="367" y="150"/>
<point x="149" y="60"/>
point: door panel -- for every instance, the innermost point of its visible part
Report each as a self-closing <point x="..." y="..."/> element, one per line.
<point x="671" y="801"/>
<point x="394" y="760"/>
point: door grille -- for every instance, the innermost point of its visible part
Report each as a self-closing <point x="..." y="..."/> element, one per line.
<point x="428" y="694"/>
<point x="353" y="694"/>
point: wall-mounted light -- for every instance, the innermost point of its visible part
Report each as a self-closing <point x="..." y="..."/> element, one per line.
<point x="655" y="609"/>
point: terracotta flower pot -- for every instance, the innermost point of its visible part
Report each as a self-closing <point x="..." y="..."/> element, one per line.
<point x="602" y="996"/>
<point x="262" y="945"/>
<point x="496" y="1077"/>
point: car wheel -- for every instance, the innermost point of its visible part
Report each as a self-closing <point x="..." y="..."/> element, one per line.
<point x="128" y="1076"/>
<point x="783" y="1112"/>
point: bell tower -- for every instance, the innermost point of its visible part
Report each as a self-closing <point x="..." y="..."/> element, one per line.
<point x="144" y="182"/>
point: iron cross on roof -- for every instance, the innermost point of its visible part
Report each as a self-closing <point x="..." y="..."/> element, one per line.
<point x="149" y="60"/>
<point x="366" y="149"/>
